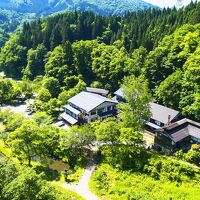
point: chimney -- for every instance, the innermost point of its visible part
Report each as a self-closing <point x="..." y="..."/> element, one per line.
<point x="169" y="119"/>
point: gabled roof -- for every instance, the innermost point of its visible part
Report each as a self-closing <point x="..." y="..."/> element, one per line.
<point x="119" y="92"/>
<point x="181" y="122"/>
<point x="88" y="101"/>
<point x="182" y="129"/>
<point x="162" y="113"/>
<point x="97" y="91"/>
<point x="180" y="134"/>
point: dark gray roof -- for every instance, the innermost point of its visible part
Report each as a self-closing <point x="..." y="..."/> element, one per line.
<point x="162" y="113"/>
<point x="180" y="134"/>
<point x="182" y="129"/>
<point x="88" y="101"/>
<point x="97" y="91"/>
<point x="194" y="131"/>
<point x="181" y="122"/>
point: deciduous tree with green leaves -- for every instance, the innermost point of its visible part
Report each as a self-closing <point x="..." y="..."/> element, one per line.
<point x="24" y="141"/>
<point x="136" y="108"/>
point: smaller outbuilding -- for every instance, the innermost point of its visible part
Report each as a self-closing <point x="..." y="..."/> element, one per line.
<point x="119" y="95"/>
<point x="178" y="135"/>
<point x="99" y="91"/>
<point x="161" y="116"/>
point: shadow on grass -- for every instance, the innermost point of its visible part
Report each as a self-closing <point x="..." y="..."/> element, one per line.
<point x="49" y="174"/>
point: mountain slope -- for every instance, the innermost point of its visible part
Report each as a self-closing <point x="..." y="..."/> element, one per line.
<point x="170" y="3"/>
<point x="44" y="7"/>
<point x="14" y="12"/>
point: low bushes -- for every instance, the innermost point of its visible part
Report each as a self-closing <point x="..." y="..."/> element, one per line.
<point x="192" y="156"/>
<point x="114" y="184"/>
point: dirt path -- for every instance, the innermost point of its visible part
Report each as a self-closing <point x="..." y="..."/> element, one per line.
<point x="82" y="187"/>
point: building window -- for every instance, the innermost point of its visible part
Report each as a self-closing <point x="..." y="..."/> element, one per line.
<point x="93" y="112"/>
<point x="109" y="108"/>
<point x="101" y="111"/>
<point x="196" y="139"/>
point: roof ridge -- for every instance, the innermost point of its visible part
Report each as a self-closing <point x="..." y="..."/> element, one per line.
<point x="181" y="122"/>
<point x="88" y="101"/>
<point x="165" y="107"/>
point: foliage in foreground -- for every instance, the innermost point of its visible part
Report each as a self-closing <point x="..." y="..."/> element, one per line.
<point x="35" y="138"/>
<point x="129" y="171"/>
<point x="111" y="183"/>
<point x="18" y="182"/>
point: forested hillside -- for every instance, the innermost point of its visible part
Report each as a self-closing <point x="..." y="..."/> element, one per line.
<point x="144" y="28"/>
<point x="9" y="21"/>
<point x="153" y="55"/>
<point x="73" y="50"/>
<point x="45" y="7"/>
<point x="13" y="13"/>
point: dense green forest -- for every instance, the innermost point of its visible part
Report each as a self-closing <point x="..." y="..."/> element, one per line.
<point x="9" y="21"/>
<point x="14" y="13"/>
<point x="72" y="50"/>
<point x="126" y="168"/>
<point x="152" y="54"/>
<point x="144" y="28"/>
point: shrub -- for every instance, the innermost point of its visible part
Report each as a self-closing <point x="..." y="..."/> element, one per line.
<point x="193" y="156"/>
<point x="111" y="183"/>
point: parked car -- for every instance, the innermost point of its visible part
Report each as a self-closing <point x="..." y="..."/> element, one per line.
<point x="60" y="123"/>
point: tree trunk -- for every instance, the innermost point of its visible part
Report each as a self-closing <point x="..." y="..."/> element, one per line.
<point x="29" y="162"/>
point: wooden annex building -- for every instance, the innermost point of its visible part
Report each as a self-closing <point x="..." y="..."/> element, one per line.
<point x="178" y="135"/>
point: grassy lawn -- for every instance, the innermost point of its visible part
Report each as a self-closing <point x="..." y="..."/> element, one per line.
<point x="148" y="138"/>
<point x="66" y="174"/>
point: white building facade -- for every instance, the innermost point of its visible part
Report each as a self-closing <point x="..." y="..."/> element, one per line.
<point x="86" y="107"/>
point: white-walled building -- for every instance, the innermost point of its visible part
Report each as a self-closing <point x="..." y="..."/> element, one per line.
<point x="86" y="107"/>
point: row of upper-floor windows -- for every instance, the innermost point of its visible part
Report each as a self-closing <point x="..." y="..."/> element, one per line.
<point x="71" y="114"/>
<point x="103" y="110"/>
<point x="196" y="139"/>
<point x="77" y="108"/>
